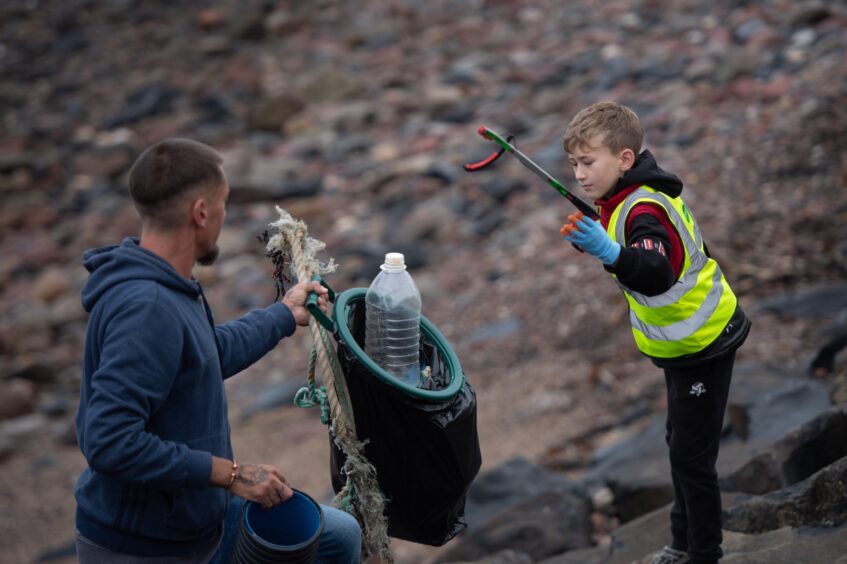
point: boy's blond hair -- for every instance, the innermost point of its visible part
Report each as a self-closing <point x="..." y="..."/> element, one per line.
<point x="617" y="125"/>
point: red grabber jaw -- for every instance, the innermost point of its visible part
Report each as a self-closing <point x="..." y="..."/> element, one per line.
<point x="471" y="167"/>
<point x="506" y="145"/>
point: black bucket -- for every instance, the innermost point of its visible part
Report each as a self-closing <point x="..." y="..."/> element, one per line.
<point x="288" y="532"/>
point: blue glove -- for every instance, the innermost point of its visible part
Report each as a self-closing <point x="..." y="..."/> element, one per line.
<point x="590" y="236"/>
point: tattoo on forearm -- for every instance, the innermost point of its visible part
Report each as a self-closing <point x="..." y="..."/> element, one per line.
<point x="251" y="474"/>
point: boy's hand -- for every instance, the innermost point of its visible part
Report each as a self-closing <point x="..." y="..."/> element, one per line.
<point x="591" y="237"/>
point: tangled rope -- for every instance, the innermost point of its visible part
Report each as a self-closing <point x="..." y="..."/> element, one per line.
<point x="360" y="496"/>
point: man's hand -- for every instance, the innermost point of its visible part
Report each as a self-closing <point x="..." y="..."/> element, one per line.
<point x="262" y="484"/>
<point x="590" y="236"/>
<point x="295" y="298"/>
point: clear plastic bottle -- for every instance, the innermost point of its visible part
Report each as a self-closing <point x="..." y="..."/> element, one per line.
<point x="392" y="321"/>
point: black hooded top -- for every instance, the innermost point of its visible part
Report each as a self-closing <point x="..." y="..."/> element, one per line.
<point x="652" y="254"/>
<point x="651" y="258"/>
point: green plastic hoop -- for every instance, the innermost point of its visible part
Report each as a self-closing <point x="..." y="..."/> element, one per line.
<point x="457" y="377"/>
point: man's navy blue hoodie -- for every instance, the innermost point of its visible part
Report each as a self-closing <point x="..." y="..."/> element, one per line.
<point x="153" y="408"/>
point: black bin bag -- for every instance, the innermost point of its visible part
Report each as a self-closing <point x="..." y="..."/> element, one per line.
<point x="423" y="442"/>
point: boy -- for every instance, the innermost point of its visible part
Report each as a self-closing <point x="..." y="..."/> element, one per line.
<point x="683" y="313"/>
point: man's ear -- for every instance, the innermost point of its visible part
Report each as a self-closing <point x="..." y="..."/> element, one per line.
<point x="200" y="212"/>
<point x="627" y="157"/>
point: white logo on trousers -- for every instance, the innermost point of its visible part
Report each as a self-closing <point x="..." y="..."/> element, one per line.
<point x="697" y="389"/>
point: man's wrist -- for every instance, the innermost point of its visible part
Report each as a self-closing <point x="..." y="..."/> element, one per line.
<point x="287" y="320"/>
<point x="222" y="472"/>
<point x="233" y="474"/>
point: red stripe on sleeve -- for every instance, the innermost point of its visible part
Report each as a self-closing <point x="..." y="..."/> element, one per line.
<point x="676" y="254"/>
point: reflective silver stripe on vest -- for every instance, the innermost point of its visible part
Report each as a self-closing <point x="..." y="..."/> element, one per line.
<point x="687" y="327"/>
<point x="692" y="247"/>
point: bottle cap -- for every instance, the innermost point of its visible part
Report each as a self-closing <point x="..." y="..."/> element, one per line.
<point x="395" y="259"/>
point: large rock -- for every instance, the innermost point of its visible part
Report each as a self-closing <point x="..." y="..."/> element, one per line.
<point x="637" y="471"/>
<point x="820" y="500"/>
<point x="820" y="300"/>
<point x="635" y="541"/>
<point x="627" y="544"/>
<point x="510" y="484"/>
<point x="504" y="557"/>
<point x="763" y="407"/>
<point x="798" y="455"/>
<point x="786" y="546"/>
<point x="770" y="403"/>
<point x="547" y="524"/>
<point x="523" y="507"/>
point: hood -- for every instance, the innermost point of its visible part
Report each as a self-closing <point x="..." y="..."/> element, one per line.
<point x="646" y="171"/>
<point x="128" y="261"/>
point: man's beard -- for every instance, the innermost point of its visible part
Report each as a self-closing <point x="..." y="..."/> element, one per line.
<point x="209" y="258"/>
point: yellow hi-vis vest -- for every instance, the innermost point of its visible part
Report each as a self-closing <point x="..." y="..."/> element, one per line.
<point x="696" y="309"/>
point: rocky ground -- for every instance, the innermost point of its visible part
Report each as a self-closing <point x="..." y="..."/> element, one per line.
<point x="356" y="117"/>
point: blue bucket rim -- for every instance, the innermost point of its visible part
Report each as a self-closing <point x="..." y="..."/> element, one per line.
<point x="284" y="547"/>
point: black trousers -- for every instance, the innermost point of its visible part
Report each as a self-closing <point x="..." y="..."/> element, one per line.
<point x="697" y="398"/>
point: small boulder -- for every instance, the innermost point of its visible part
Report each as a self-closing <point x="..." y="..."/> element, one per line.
<point x="17" y="398"/>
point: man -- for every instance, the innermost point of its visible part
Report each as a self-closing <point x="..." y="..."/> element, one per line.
<point x="152" y="419"/>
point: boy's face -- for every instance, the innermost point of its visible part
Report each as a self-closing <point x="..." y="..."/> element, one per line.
<point x="597" y="169"/>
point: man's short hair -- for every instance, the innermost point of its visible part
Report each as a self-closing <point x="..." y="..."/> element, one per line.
<point x="617" y="125"/>
<point x="168" y="170"/>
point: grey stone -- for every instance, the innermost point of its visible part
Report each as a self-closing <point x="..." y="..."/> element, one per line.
<point x="549" y="523"/>
<point x="502" y="329"/>
<point x="271" y="114"/>
<point x="808" y="302"/>
<point x="504" y="557"/>
<point x="510" y="484"/>
<point x="636" y="498"/>
<point x="634" y="541"/>
<point x="773" y="404"/>
<point x="22" y="427"/>
<point x="627" y="544"/>
<point x="332" y="85"/>
<point x="820" y="500"/>
<point x="149" y="100"/>
<point x="282" y="190"/>
<point x="787" y="545"/>
<point x="37" y="372"/>
<point x="637" y="467"/>
<point x="798" y="455"/>
<point x="104" y="162"/>
<point x="809" y="14"/>
<point x="13" y="160"/>
<point x="17" y="397"/>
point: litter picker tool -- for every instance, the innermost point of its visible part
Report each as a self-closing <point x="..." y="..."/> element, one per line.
<point x="507" y="145"/>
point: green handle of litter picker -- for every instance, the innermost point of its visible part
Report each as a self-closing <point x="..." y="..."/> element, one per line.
<point x="313" y="308"/>
<point x="540" y="172"/>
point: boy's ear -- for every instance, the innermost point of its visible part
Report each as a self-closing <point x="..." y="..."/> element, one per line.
<point x="627" y="157"/>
